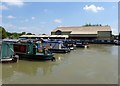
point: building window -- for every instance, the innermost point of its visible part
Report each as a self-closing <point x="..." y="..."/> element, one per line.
<point x="58" y="32"/>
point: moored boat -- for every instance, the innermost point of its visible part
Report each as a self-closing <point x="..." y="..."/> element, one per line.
<point x="55" y="46"/>
<point x="29" y="50"/>
<point x="7" y="53"/>
<point x="63" y="50"/>
<point x="81" y="45"/>
<point x="70" y="44"/>
<point x="9" y="59"/>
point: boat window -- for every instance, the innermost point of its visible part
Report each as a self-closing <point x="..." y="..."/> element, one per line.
<point x="20" y="48"/>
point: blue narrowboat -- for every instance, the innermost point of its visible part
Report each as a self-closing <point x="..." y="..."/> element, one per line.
<point x="55" y="46"/>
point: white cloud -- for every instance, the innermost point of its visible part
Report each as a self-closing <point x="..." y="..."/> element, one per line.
<point x="58" y="21"/>
<point x="14" y="2"/>
<point x="113" y="6"/>
<point x="10" y="17"/>
<point x="32" y="18"/>
<point x="93" y="8"/>
<point x="3" y="7"/>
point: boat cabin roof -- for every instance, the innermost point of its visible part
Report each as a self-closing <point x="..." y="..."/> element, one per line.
<point x="48" y="41"/>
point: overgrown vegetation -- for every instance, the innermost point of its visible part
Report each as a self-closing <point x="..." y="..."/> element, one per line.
<point x="14" y="35"/>
<point x="3" y="33"/>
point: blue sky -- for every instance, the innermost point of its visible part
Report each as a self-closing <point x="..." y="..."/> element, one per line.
<point x="43" y="17"/>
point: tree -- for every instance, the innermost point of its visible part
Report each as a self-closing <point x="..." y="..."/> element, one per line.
<point x="43" y="34"/>
<point x="3" y="33"/>
<point x="86" y="25"/>
<point x="89" y="24"/>
<point x="23" y="33"/>
<point x="8" y="34"/>
<point x="29" y="34"/>
<point x="97" y="24"/>
<point x="15" y="35"/>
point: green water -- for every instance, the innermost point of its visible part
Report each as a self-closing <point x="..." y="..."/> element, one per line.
<point x="95" y="65"/>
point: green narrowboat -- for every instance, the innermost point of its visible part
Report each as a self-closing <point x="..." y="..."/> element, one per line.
<point x="7" y="53"/>
<point x="31" y="50"/>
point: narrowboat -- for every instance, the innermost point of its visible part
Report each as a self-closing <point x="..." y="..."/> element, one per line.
<point x="7" y="53"/>
<point x="82" y="45"/>
<point x="70" y="44"/>
<point x="30" y="49"/>
<point x="55" y="46"/>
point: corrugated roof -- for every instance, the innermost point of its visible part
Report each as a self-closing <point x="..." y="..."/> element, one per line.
<point x="83" y="32"/>
<point x="83" y="29"/>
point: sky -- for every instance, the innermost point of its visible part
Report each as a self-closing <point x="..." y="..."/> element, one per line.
<point x="43" y="17"/>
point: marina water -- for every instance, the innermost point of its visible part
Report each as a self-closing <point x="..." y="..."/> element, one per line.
<point x="97" y="64"/>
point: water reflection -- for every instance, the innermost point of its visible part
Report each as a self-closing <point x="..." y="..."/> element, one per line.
<point x="27" y="68"/>
<point x="114" y="50"/>
<point x="60" y="57"/>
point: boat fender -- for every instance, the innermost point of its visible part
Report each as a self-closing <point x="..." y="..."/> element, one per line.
<point x="15" y="58"/>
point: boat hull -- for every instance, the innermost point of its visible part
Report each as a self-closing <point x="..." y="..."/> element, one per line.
<point x="82" y="46"/>
<point x="59" y="50"/>
<point x="36" y="57"/>
<point x="9" y="60"/>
